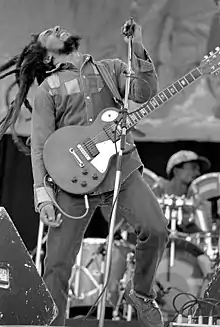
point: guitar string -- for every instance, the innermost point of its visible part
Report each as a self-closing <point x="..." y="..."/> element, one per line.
<point x="98" y="138"/>
<point x="102" y="136"/>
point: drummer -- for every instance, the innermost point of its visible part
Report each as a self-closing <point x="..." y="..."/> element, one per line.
<point x="182" y="168"/>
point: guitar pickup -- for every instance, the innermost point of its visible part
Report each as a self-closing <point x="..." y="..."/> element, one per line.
<point x="83" y="151"/>
<point x="76" y="157"/>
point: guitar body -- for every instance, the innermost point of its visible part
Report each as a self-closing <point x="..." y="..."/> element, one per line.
<point x="70" y="163"/>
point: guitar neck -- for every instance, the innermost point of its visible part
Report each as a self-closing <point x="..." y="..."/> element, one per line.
<point x="162" y="97"/>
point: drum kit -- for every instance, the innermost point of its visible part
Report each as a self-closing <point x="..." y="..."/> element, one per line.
<point x="191" y="255"/>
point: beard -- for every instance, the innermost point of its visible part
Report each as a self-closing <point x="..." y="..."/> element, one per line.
<point x="71" y="44"/>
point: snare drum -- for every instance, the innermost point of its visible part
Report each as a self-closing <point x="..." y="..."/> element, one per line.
<point x="87" y="273"/>
<point x="206" y="186"/>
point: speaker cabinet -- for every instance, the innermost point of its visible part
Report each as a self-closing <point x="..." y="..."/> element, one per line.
<point x="24" y="298"/>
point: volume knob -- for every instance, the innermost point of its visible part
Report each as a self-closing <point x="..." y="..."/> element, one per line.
<point x="95" y="176"/>
<point x="74" y="179"/>
<point x="84" y="184"/>
<point x="85" y="172"/>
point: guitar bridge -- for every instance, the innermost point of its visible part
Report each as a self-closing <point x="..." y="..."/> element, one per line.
<point x="76" y="157"/>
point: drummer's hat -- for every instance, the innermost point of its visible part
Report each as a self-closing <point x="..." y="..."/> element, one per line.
<point x="187" y="156"/>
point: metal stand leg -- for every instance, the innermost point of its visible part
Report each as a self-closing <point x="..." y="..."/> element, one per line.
<point x="176" y="217"/>
<point x="172" y="237"/>
<point x="128" y="310"/>
<point x="39" y="247"/>
<point x="174" y="213"/>
<point x="101" y="287"/>
<point x="75" y="280"/>
<point x="130" y="265"/>
<point x="77" y="267"/>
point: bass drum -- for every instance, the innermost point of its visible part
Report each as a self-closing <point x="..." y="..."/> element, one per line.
<point x="187" y="275"/>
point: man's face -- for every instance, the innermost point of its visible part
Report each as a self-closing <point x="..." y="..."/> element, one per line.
<point x="188" y="172"/>
<point x="53" y="39"/>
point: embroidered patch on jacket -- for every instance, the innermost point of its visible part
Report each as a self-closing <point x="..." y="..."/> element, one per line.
<point x="72" y="86"/>
<point x="53" y="81"/>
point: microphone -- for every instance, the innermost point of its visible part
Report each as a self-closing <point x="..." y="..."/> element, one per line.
<point x="128" y="28"/>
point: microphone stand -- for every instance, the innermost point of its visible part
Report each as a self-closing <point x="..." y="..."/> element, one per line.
<point x="129" y="34"/>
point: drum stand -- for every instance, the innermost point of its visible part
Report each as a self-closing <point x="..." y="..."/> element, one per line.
<point x="169" y="203"/>
<point x="127" y="309"/>
<point x="78" y="268"/>
<point x="40" y="241"/>
<point x="176" y="218"/>
<point x="173" y="206"/>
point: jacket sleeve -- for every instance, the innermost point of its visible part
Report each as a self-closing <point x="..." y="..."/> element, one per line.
<point x="42" y="126"/>
<point x="144" y="82"/>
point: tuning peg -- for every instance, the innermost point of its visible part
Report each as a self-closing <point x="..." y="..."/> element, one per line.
<point x="217" y="48"/>
<point x="211" y="53"/>
<point x="206" y="57"/>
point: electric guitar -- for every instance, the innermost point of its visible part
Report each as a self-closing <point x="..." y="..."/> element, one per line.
<point x="77" y="157"/>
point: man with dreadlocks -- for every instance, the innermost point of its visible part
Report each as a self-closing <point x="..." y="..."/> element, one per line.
<point x="73" y="93"/>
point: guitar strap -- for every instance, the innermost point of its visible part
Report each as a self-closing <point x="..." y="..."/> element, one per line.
<point x="109" y="82"/>
<point x="112" y="87"/>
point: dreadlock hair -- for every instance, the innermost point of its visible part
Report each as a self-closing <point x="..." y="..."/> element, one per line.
<point x="29" y="65"/>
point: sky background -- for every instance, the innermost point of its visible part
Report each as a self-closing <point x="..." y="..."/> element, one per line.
<point x="177" y="34"/>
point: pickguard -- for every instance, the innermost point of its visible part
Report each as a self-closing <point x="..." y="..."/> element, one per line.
<point x="106" y="150"/>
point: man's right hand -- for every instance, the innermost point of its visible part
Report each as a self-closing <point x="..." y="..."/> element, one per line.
<point x="49" y="217"/>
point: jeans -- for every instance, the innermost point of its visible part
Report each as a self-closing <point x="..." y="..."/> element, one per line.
<point x="140" y="208"/>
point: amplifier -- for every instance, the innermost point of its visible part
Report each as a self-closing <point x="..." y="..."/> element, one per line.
<point x="24" y="298"/>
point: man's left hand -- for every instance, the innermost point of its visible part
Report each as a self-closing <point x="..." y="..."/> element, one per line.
<point x="136" y="31"/>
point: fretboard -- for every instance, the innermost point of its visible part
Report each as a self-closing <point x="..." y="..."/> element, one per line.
<point x="162" y="97"/>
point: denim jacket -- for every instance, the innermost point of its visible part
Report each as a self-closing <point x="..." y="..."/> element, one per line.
<point x="76" y="96"/>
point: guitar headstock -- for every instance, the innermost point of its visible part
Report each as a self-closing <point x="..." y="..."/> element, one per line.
<point x="211" y="64"/>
